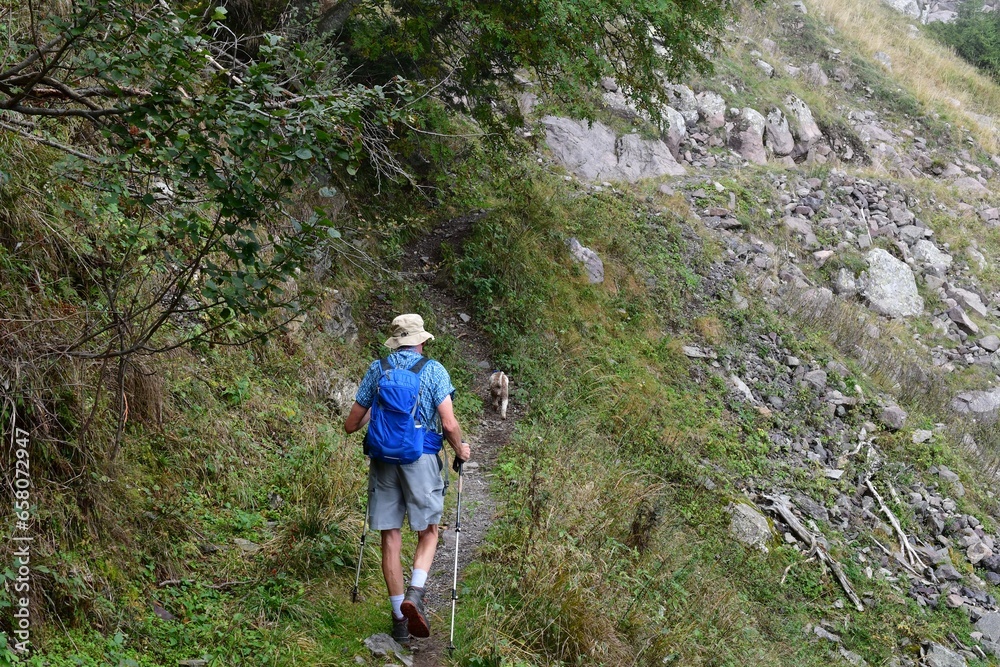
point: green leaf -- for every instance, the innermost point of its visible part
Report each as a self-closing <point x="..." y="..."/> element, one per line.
<point x="334" y="234"/>
<point x="303" y="154"/>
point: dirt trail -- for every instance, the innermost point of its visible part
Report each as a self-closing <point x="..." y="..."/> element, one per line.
<point x="486" y="437"/>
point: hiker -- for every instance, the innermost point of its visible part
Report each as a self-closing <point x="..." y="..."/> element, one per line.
<point x="415" y="488"/>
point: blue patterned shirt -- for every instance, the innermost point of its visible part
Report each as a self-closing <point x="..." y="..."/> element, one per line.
<point x="435" y="386"/>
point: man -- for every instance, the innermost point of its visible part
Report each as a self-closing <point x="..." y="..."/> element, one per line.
<point x="415" y="489"/>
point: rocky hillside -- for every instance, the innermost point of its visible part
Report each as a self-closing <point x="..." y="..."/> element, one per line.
<point x="870" y="220"/>
<point x="754" y="346"/>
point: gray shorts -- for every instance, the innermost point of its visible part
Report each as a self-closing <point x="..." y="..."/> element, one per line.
<point x="416" y="489"/>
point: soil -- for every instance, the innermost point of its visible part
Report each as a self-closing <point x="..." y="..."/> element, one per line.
<point x="420" y="263"/>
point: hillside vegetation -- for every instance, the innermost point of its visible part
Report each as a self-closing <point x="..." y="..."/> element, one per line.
<point x="202" y="503"/>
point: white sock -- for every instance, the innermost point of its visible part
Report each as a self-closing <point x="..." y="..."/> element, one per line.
<point x="397" y="601"/>
<point x="419" y="578"/>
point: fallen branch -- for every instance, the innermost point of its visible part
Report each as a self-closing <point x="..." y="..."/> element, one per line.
<point x="904" y="544"/>
<point x="816" y="549"/>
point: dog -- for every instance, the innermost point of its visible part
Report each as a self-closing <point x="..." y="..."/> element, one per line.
<point x="499" y="390"/>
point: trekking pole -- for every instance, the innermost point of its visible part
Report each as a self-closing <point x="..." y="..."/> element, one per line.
<point x="361" y="550"/>
<point x="458" y="533"/>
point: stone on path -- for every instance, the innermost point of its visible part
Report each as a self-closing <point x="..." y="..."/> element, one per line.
<point x="384" y="646"/>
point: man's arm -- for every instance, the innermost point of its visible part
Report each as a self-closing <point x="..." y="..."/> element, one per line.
<point x="357" y="417"/>
<point x="452" y="431"/>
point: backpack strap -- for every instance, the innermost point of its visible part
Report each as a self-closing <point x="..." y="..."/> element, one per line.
<point x="419" y="366"/>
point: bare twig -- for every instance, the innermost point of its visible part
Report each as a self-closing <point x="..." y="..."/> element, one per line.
<point x="782" y="508"/>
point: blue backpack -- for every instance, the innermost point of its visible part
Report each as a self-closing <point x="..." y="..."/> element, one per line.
<point x="395" y="434"/>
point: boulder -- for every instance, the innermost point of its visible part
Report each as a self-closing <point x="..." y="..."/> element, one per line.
<point x="978" y="552"/>
<point x="640" y="159"/>
<point x="747" y="135"/>
<point x="889" y="286"/>
<point x="970" y="185"/>
<point x="893" y="417"/>
<point x="806" y="128"/>
<point x="977" y="402"/>
<point x="682" y="98"/>
<point x="587" y="151"/>
<point x="711" y="109"/>
<point x="676" y="130"/>
<point x="989" y="625"/>
<point x="909" y="7"/>
<point x="941" y="656"/>
<point x="970" y="301"/>
<point x="958" y="316"/>
<point x="931" y="256"/>
<point x="779" y="137"/>
<point x="591" y="261"/>
<point x="815" y="75"/>
<point x="989" y="343"/>
<point x="750" y="526"/>
<point x="594" y="153"/>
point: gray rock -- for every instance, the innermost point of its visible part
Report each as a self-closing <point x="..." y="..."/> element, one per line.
<point x="711" y="109"/>
<point x="815" y="75"/>
<point x="947" y="474"/>
<point x="921" y="436"/>
<point x="977" y="552"/>
<point x="970" y="185"/>
<point x="970" y="301"/>
<point x="941" y="656"/>
<point x="750" y="526"/>
<point x="884" y="59"/>
<point x="989" y="625"/>
<point x="889" y="286"/>
<point x="816" y="379"/>
<point x="944" y="16"/>
<point x="801" y="227"/>
<point x="823" y="633"/>
<point x="683" y="99"/>
<point x="779" y="137"/>
<point x="337" y="320"/>
<point x="594" y="153"/>
<point x="893" y="417"/>
<point x="930" y="255"/>
<point x="990" y="343"/>
<point x="747" y="136"/>
<point x="741" y="387"/>
<point x="676" y="131"/>
<point x="947" y="572"/>
<point x="765" y="67"/>
<point x="806" y="128"/>
<point x="246" y="545"/>
<point x="384" y="646"/>
<point x="958" y="316"/>
<point x="192" y="662"/>
<point x="639" y="159"/>
<point x="977" y="402"/>
<point x="588" y="151"/>
<point x="591" y="261"/>
<point x="800" y="7"/>
<point x="909" y="7"/>
<point x="845" y="284"/>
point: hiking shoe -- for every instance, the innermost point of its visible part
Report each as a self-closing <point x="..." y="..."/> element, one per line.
<point x="400" y="630"/>
<point x="413" y="610"/>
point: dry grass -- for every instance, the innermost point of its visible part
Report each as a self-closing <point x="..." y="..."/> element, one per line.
<point x="935" y="75"/>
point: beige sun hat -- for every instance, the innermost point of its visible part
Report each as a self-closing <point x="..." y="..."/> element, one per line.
<point x="407" y="330"/>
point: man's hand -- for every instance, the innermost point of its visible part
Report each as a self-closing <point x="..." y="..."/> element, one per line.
<point x="462" y="454"/>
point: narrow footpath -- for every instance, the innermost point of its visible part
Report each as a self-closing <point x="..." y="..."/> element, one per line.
<point x="420" y="265"/>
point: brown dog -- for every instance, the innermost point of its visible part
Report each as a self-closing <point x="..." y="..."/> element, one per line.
<point x="499" y="391"/>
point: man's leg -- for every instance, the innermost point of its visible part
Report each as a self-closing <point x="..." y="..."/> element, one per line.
<point x="426" y="546"/>
<point x="392" y="568"/>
